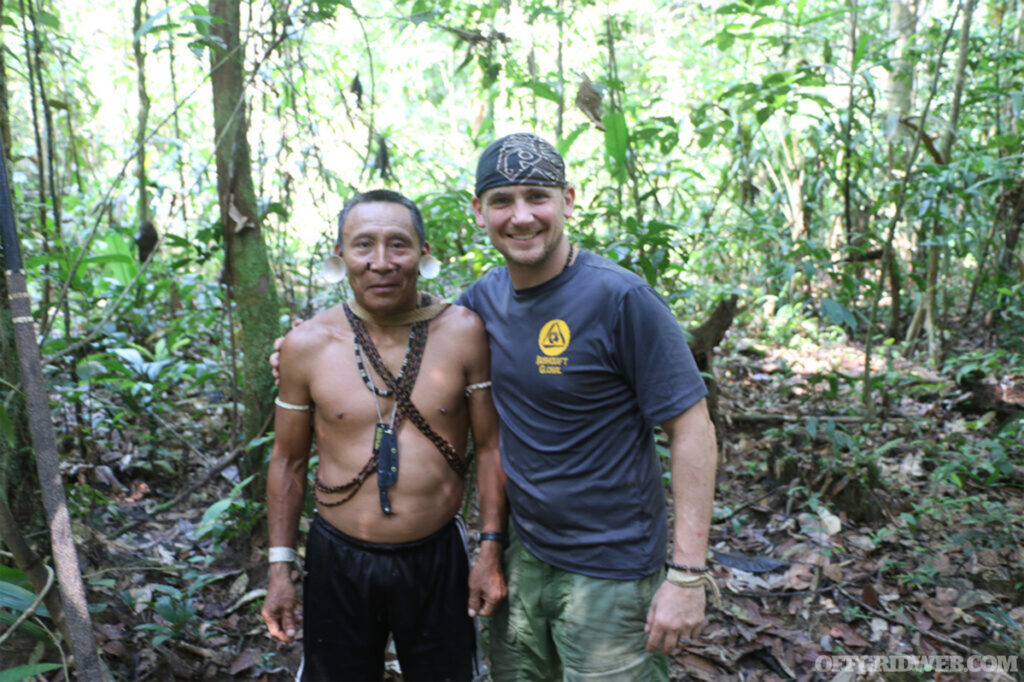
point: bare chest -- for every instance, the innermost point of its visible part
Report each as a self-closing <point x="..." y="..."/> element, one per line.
<point x="342" y="386"/>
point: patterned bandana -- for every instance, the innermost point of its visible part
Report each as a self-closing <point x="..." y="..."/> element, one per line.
<point x="519" y="159"/>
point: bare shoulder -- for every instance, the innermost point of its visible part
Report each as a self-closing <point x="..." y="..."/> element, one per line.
<point x="312" y="335"/>
<point x="460" y="324"/>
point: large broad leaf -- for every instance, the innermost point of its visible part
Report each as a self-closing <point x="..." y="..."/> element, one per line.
<point x="122" y="268"/>
<point x="24" y="672"/>
<point x="18" y="599"/>
<point x="616" y="139"/>
<point x="27" y="627"/>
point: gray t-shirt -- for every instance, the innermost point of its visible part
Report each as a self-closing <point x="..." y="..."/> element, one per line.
<point x="584" y="366"/>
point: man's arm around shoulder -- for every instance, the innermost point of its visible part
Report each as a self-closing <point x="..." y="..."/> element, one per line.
<point x="678" y="612"/>
<point x="486" y="582"/>
<point x="286" y="476"/>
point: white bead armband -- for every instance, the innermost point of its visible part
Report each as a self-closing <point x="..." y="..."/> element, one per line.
<point x="291" y="406"/>
<point x="477" y="387"/>
<point x="282" y="554"/>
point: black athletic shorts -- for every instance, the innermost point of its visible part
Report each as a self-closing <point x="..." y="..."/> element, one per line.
<point x="356" y="592"/>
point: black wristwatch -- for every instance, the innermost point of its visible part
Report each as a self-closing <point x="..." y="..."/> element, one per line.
<point x="497" y="537"/>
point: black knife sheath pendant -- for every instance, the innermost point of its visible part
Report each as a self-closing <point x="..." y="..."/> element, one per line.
<point x="385" y="447"/>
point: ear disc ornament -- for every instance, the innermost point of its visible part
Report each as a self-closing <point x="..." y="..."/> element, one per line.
<point x="333" y="269"/>
<point x="429" y="267"/>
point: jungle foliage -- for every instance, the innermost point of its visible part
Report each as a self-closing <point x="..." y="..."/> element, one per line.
<point x="851" y="171"/>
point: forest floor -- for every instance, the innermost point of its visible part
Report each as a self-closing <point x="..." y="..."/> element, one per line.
<point x="833" y="536"/>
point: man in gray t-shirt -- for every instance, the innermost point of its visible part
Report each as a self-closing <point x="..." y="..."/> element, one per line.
<point x="585" y="360"/>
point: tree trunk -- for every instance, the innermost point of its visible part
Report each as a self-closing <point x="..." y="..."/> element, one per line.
<point x="140" y="134"/>
<point x="5" y="117"/>
<point x="40" y="424"/>
<point x="19" y="482"/>
<point x="930" y="302"/>
<point x="900" y="84"/>
<point x="900" y="97"/>
<point x="247" y="269"/>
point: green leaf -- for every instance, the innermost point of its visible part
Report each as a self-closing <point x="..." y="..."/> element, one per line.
<point x="211" y="515"/>
<point x="542" y="90"/>
<point x="123" y="267"/>
<point x="1008" y="140"/>
<point x="17" y="598"/>
<point x="47" y="19"/>
<point x="148" y="25"/>
<point x="616" y="139"/>
<point x="27" y="627"/>
<point x="566" y="142"/>
<point x="6" y="426"/>
<point x="862" y="46"/>
<point x="838" y="313"/>
<point x="15" y="576"/>
<point x="724" y="40"/>
<point x="800" y="10"/>
<point x="24" y="672"/>
<point x="110" y="258"/>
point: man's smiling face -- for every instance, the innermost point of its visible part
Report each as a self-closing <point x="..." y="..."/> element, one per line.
<point x="382" y="252"/>
<point x="525" y="222"/>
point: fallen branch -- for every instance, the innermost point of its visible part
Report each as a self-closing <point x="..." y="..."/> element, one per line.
<point x="769" y="417"/>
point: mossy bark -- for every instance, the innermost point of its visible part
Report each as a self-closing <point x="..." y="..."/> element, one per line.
<point x="247" y="267"/>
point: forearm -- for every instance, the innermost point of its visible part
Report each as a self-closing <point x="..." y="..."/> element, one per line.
<point x="286" y="487"/>
<point x="490" y="482"/>
<point x="694" y="457"/>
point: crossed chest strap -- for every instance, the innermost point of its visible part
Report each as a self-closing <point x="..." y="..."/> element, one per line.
<point x="401" y="388"/>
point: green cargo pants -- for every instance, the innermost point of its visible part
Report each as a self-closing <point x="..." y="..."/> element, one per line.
<point x="559" y="625"/>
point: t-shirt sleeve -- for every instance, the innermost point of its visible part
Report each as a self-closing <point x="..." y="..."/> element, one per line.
<point x="465" y="299"/>
<point x="652" y="352"/>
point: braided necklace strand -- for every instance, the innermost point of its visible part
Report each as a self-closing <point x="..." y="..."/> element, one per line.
<point x="383" y="392"/>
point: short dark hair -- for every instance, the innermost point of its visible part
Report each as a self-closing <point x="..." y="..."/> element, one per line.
<point x="383" y="196"/>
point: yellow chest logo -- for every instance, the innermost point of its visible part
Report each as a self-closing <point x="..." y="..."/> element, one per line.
<point x="554" y="338"/>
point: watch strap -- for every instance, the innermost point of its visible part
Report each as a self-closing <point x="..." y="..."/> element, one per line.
<point x="495" y="536"/>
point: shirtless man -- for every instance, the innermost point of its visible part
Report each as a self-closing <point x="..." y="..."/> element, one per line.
<point x="385" y="552"/>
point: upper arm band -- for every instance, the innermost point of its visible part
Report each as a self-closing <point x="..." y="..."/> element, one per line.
<point x="474" y="387"/>
<point x="290" y="406"/>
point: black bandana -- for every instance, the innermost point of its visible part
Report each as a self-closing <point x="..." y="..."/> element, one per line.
<point x="519" y="159"/>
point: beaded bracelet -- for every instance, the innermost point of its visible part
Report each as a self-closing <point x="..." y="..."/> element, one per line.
<point x="686" y="569"/>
